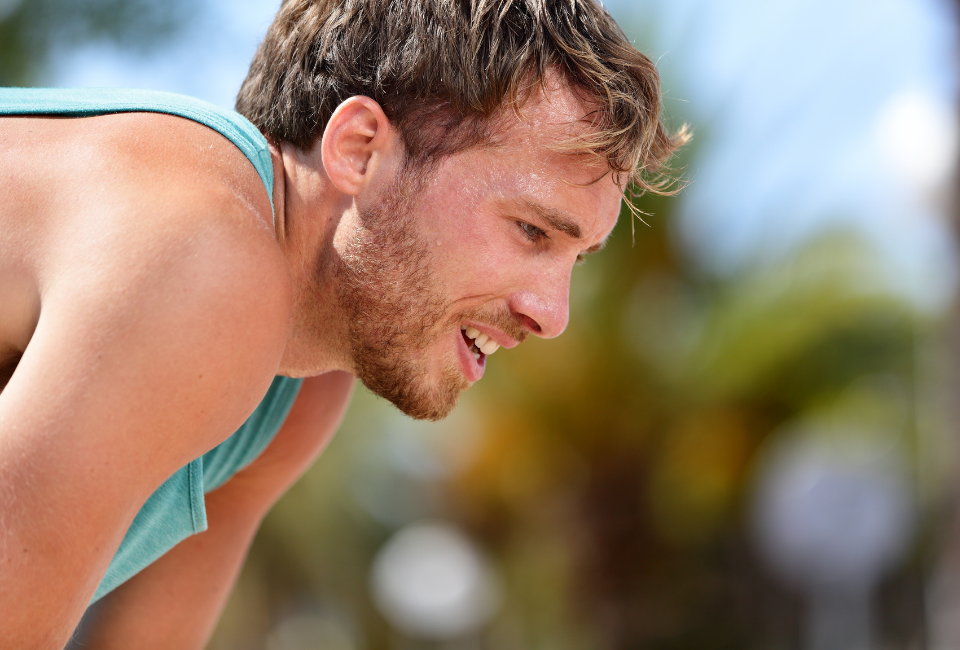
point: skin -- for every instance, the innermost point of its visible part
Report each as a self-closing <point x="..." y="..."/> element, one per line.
<point x="139" y="269"/>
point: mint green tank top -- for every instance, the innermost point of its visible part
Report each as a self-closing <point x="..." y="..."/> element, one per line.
<point x="176" y="509"/>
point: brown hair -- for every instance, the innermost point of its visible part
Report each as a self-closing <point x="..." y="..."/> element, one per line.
<point x="442" y="70"/>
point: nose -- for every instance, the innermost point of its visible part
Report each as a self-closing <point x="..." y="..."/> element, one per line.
<point x="544" y="307"/>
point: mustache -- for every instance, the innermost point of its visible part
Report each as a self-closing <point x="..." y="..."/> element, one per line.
<point x="501" y="318"/>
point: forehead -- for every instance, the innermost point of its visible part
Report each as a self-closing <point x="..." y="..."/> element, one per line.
<point x="529" y="161"/>
<point x="552" y="115"/>
<point x="527" y="167"/>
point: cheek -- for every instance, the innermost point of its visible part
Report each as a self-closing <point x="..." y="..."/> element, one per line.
<point x="462" y="239"/>
<point x="473" y="249"/>
<point x="475" y="262"/>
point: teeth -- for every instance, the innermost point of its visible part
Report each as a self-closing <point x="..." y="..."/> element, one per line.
<point x="483" y="343"/>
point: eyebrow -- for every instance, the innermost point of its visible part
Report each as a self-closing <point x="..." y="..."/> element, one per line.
<point x="560" y="222"/>
<point x="554" y="218"/>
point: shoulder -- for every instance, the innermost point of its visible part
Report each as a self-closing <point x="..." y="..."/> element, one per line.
<point x="178" y="159"/>
<point x="163" y="253"/>
<point x="149" y="217"/>
<point x="155" y="188"/>
<point x="172" y="201"/>
<point x="138" y="201"/>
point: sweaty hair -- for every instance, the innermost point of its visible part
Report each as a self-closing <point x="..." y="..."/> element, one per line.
<point x="444" y="70"/>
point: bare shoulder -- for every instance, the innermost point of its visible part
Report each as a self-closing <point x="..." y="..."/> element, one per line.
<point x="160" y="193"/>
<point x="176" y="209"/>
<point x="133" y="203"/>
<point x="166" y="152"/>
<point x="155" y="259"/>
<point x="135" y="178"/>
<point x="158" y="171"/>
<point x="173" y="173"/>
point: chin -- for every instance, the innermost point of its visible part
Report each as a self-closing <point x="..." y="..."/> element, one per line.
<point x="409" y="389"/>
<point x="420" y="404"/>
<point x="429" y="410"/>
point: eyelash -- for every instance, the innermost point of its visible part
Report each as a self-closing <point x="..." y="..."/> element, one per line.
<point x="537" y="236"/>
<point x="531" y="232"/>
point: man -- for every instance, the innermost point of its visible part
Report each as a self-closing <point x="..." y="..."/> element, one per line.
<point x="431" y="172"/>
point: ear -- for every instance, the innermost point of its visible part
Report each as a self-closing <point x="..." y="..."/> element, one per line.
<point x="355" y="142"/>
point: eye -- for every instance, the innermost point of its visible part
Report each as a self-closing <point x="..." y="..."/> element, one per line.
<point x="532" y="233"/>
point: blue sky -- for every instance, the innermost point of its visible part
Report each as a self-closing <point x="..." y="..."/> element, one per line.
<point x="813" y="115"/>
<point x="808" y="114"/>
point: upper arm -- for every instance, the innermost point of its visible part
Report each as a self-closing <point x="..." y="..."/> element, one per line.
<point x="176" y="601"/>
<point x="162" y="357"/>
<point x="316" y="414"/>
<point x="157" y="337"/>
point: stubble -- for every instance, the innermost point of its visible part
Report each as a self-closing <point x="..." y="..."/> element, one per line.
<point x="396" y="308"/>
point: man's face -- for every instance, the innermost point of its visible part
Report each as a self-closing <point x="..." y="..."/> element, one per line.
<point x="484" y="242"/>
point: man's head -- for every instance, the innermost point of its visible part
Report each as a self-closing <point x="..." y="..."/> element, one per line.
<point x="519" y="125"/>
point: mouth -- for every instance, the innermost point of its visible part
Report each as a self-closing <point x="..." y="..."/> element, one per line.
<point x="475" y="350"/>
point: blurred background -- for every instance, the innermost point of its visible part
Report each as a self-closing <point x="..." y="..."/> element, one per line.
<point x="746" y="438"/>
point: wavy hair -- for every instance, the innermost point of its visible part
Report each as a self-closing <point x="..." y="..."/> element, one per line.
<point x="443" y="70"/>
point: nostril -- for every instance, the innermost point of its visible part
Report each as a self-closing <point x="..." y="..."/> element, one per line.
<point x="531" y="324"/>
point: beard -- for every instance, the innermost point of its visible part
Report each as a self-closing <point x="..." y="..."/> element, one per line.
<point x="396" y="308"/>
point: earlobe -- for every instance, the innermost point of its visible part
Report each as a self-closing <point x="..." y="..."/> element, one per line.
<point x="357" y="136"/>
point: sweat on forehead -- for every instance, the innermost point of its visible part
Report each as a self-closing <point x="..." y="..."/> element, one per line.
<point x="554" y="120"/>
<point x="550" y="109"/>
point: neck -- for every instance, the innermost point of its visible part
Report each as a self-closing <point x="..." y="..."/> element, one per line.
<point x="308" y="211"/>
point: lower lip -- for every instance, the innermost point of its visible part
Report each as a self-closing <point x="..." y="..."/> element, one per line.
<point x="472" y="367"/>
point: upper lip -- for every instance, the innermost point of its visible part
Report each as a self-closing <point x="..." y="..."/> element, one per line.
<point x="495" y="335"/>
